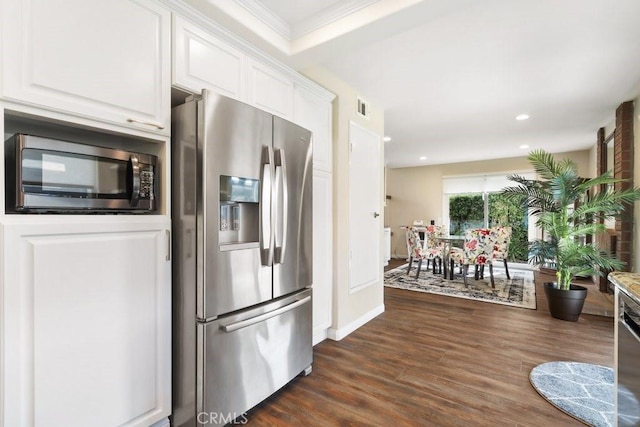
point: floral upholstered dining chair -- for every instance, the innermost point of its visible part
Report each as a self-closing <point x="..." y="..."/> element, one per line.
<point x="477" y="251"/>
<point x="418" y="252"/>
<point x="501" y="237"/>
<point x="430" y="236"/>
<point x="432" y="245"/>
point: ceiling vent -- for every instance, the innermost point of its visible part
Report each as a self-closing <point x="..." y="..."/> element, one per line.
<point x="364" y="108"/>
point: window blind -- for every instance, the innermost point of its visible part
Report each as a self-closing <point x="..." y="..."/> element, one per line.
<point x="479" y="183"/>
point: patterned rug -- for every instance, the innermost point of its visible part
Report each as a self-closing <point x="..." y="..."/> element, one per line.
<point x="519" y="291"/>
<point x="584" y="391"/>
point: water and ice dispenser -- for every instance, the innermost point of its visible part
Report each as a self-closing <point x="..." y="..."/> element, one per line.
<point x="239" y="210"/>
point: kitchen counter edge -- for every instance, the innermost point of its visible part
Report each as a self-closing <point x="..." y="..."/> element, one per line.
<point x="629" y="283"/>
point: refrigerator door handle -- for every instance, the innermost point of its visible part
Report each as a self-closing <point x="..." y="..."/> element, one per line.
<point x="281" y="164"/>
<point x="262" y="317"/>
<point x="266" y="207"/>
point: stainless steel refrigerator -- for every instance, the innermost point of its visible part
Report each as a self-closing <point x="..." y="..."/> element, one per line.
<point x="242" y="272"/>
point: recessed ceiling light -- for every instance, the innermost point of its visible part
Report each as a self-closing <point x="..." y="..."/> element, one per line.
<point x="524" y="146"/>
<point x="386" y="139"/>
<point x="522" y="117"/>
<point x="423" y="157"/>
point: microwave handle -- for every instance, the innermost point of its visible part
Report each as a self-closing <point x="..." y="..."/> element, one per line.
<point x="135" y="172"/>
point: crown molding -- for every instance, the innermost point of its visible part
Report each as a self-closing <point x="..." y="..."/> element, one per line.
<point x="328" y="16"/>
<point x="267" y="16"/>
<point x="315" y="22"/>
<point x="208" y="24"/>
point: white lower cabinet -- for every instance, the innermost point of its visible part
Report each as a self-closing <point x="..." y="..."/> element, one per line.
<point x="85" y="320"/>
<point x="322" y="254"/>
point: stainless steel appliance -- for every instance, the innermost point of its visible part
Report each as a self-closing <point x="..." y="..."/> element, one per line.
<point x="49" y="175"/>
<point x="242" y="194"/>
<point x="628" y="366"/>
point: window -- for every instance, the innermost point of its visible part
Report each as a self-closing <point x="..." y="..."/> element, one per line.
<point x="473" y="201"/>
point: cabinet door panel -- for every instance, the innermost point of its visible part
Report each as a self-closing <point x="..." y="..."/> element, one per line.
<point x="91" y="329"/>
<point x="202" y="61"/>
<point x="270" y="90"/>
<point x="314" y="113"/>
<point x="107" y="60"/>
<point x="108" y="300"/>
<point x="322" y="254"/>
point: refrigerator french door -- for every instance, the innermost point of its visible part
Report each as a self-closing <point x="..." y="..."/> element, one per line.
<point x="242" y="221"/>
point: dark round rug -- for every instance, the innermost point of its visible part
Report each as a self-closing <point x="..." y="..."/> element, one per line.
<point x="584" y="391"/>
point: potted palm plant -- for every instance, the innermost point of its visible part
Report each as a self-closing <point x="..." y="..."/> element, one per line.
<point x="568" y="208"/>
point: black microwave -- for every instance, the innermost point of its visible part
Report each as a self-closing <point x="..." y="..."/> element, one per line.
<point x="49" y="175"/>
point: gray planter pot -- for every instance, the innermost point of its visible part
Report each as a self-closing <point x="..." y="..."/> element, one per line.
<point x="565" y="304"/>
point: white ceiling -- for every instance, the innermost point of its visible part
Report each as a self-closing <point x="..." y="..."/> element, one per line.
<point x="295" y="12"/>
<point x="452" y="75"/>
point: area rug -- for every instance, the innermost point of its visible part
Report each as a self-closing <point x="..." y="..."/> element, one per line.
<point x="519" y="291"/>
<point x="584" y="391"/>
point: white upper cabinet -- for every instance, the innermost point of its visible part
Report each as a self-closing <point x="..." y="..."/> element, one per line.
<point x="314" y="113"/>
<point x="107" y="60"/>
<point x="202" y="61"/>
<point x="270" y="90"/>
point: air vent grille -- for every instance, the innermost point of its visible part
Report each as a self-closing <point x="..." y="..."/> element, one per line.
<point x="364" y="109"/>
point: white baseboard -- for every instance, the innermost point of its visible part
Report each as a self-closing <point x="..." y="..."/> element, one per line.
<point x="338" y="334"/>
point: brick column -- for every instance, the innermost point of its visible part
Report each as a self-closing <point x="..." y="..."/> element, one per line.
<point x="601" y="154"/>
<point x="601" y="167"/>
<point x="623" y="169"/>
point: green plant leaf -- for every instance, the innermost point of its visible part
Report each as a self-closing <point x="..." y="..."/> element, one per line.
<point x="568" y="208"/>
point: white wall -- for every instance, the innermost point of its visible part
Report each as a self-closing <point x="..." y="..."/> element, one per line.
<point x="349" y="310"/>
<point x="416" y="193"/>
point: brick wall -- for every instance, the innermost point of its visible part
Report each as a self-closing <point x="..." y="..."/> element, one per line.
<point x="623" y="169"/>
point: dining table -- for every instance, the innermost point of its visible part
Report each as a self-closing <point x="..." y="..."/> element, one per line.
<point x="448" y="242"/>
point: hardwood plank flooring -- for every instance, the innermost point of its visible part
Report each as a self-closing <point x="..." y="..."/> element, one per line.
<point x="432" y="360"/>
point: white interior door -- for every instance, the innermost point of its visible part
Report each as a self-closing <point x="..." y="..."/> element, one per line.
<point x="365" y="192"/>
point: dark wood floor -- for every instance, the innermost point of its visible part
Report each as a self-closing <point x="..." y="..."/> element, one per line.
<point x="433" y="360"/>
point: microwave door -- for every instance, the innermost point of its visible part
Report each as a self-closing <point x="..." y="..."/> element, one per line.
<point x="56" y="179"/>
<point x="59" y="176"/>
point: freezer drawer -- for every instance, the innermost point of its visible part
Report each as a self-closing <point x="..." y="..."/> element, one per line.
<point x="248" y="356"/>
